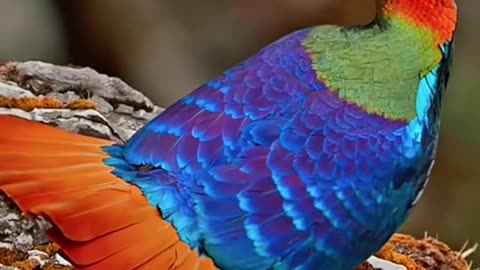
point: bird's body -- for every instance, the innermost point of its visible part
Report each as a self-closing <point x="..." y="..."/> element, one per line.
<point x="309" y="155"/>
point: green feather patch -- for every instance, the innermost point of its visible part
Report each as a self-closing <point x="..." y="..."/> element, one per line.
<point x="377" y="67"/>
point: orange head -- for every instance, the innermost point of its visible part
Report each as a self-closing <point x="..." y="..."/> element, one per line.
<point x="439" y="16"/>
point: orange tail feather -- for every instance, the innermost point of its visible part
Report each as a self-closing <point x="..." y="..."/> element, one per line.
<point x="101" y="222"/>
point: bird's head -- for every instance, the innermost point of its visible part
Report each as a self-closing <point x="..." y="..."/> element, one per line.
<point x="437" y="16"/>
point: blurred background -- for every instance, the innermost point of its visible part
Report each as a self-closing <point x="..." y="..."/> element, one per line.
<point x="168" y="48"/>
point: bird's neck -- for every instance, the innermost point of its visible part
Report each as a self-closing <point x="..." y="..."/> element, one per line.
<point x="377" y="67"/>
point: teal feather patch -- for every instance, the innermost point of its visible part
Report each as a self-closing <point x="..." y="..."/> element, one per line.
<point x="429" y="87"/>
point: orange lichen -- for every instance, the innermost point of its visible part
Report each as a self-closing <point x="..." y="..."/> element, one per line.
<point x="20" y="260"/>
<point x="81" y="104"/>
<point x="29" y="104"/>
<point x="26" y="265"/>
<point x="424" y="254"/>
<point x="9" y="257"/>
<point x="56" y="267"/>
<point x="50" y="250"/>
<point x="421" y="254"/>
<point x="388" y="253"/>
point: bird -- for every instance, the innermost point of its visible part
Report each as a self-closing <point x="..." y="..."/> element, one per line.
<point x="310" y="154"/>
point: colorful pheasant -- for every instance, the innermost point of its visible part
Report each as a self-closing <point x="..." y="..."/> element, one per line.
<point x="309" y="155"/>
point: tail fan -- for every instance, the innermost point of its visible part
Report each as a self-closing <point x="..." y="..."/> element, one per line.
<point x="100" y="221"/>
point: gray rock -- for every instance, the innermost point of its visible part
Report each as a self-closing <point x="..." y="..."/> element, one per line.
<point x="18" y="230"/>
<point x="12" y="90"/>
<point x="44" y="78"/>
<point x="66" y="97"/>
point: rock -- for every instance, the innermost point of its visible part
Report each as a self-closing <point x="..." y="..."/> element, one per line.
<point x="18" y="231"/>
<point x="13" y="91"/>
<point x="43" y="78"/>
<point x="120" y="110"/>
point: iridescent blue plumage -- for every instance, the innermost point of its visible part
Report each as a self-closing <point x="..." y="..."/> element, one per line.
<point x="265" y="168"/>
